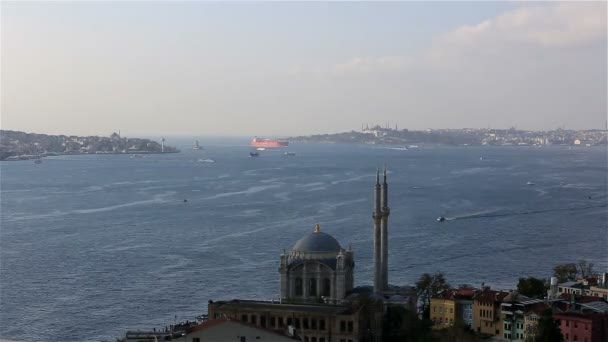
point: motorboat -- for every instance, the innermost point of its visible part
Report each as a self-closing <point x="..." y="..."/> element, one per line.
<point x="440" y="219"/>
<point x="38" y="161"/>
<point x="254" y="154"/>
<point x="289" y="154"/>
<point x="206" y="161"/>
<point x="529" y="183"/>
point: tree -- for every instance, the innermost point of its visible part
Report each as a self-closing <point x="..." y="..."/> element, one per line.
<point x="569" y="272"/>
<point x="531" y="287"/>
<point x="401" y="325"/>
<point x="427" y="286"/>
<point x="585" y="269"/>
<point x="548" y="329"/>
<point x="565" y="272"/>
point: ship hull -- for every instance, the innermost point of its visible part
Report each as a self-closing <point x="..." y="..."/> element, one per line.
<point x="269" y="143"/>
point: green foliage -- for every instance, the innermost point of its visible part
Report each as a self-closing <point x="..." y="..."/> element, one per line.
<point x="548" y="329"/>
<point x="427" y="286"/>
<point x="403" y="325"/>
<point x="456" y="333"/>
<point x="531" y="287"/>
<point x="570" y="271"/>
<point x="565" y="272"/>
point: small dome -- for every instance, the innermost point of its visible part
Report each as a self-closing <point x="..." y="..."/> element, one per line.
<point x="317" y="242"/>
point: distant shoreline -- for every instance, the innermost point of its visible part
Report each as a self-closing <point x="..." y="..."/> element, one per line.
<point x="43" y="155"/>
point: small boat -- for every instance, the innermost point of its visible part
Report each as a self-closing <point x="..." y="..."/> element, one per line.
<point x="480" y="158"/>
<point x="440" y="219"/>
<point x="37" y="161"/>
<point x="529" y="183"/>
<point x="254" y="154"/>
<point x="289" y="154"/>
<point x="261" y="148"/>
<point x="197" y="146"/>
<point x="136" y="156"/>
<point x="206" y="160"/>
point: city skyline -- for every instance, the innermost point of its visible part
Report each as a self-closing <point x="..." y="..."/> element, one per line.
<point x="283" y="69"/>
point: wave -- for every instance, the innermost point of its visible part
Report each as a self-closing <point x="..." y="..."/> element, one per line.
<point x="57" y="213"/>
<point x="531" y="212"/>
<point x="350" y="179"/>
<point x="249" y="191"/>
<point x="307" y="185"/>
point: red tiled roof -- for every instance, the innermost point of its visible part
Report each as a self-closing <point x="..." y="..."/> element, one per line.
<point x="490" y="296"/>
<point x="538" y="308"/>
<point x="214" y="322"/>
<point x="208" y="324"/>
<point x="581" y="298"/>
<point x="465" y="292"/>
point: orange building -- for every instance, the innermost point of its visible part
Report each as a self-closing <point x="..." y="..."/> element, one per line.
<point x="486" y="312"/>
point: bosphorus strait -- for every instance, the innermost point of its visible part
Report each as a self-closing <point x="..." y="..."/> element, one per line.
<point x="106" y="243"/>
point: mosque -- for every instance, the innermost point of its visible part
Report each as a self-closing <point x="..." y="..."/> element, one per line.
<point x="318" y="300"/>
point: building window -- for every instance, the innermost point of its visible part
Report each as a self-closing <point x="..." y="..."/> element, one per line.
<point x="306" y="339"/>
<point x="281" y="322"/>
<point x="305" y="323"/>
<point x="321" y="324"/>
<point x="312" y="287"/>
<point x="196" y="339"/>
<point x="297" y="323"/>
<point x="289" y="321"/>
<point x="243" y="339"/>
<point x="350" y="326"/>
<point x="313" y="323"/>
<point x="326" y="287"/>
<point x="567" y="323"/>
<point x="313" y="339"/>
<point x="321" y="339"/>
<point x="263" y="321"/>
<point x="244" y="318"/>
<point x="576" y="324"/>
<point x="299" y="291"/>
<point x="272" y="322"/>
<point x="342" y="326"/>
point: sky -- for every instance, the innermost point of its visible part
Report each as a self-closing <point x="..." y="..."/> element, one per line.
<point x="298" y="68"/>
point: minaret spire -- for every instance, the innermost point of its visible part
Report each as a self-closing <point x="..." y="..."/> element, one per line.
<point x="384" y="233"/>
<point x="377" y="216"/>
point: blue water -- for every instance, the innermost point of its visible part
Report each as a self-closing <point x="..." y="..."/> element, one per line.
<point x="91" y="246"/>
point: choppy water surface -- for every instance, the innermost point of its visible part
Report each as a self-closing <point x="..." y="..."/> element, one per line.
<point x="91" y="246"/>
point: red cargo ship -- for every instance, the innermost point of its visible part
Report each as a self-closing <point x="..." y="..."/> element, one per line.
<point x="267" y="143"/>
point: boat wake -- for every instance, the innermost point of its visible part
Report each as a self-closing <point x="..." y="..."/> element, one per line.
<point x="531" y="212"/>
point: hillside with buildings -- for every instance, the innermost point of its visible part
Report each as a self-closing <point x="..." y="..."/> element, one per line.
<point x="465" y="136"/>
<point x="20" y="145"/>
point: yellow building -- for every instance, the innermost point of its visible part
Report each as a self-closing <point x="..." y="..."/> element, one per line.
<point x="487" y="313"/>
<point x="443" y="310"/>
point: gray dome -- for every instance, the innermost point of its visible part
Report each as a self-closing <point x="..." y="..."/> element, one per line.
<point x="317" y="242"/>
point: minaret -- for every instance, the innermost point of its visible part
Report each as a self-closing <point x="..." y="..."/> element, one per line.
<point x="377" y="215"/>
<point x="384" y="233"/>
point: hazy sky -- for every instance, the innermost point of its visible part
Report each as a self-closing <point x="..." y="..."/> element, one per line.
<point x="277" y="69"/>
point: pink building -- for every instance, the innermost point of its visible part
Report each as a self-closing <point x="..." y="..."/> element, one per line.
<point x="577" y="327"/>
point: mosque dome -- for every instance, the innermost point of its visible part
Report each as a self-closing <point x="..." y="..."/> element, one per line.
<point x="317" y="242"/>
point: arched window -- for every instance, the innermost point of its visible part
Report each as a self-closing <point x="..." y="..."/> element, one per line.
<point x="299" y="288"/>
<point x="312" y="287"/>
<point x="326" y="287"/>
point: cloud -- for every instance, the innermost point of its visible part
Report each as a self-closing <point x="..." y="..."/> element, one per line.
<point x="559" y="25"/>
<point x="537" y="25"/>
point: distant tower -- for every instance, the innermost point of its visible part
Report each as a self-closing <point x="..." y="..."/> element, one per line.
<point x="384" y="232"/>
<point x="377" y="216"/>
<point x="396" y="129"/>
<point x="162" y="145"/>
